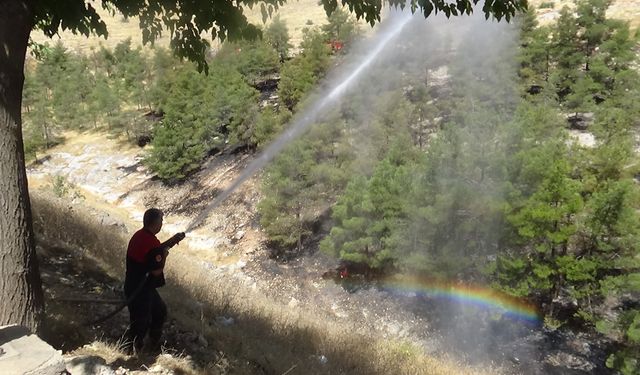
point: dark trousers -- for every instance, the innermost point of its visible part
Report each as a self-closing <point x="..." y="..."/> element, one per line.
<point x="147" y="313"/>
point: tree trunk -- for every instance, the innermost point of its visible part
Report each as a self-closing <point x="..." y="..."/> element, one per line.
<point x="21" y="298"/>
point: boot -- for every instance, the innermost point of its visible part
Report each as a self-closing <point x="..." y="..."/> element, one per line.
<point x="154" y="343"/>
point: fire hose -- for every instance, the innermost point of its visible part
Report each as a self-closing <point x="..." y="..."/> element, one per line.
<point x="136" y="291"/>
<point x="124" y="304"/>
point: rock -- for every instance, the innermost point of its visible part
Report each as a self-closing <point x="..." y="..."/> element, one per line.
<point x="241" y="264"/>
<point x="580" y="121"/>
<point x="393" y="328"/>
<point x="224" y="321"/>
<point x="566" y="360"/>
<point x="565" y="305"/>
<point x="157" y="369"/>
<point x="143" y="140"/>
<point x="27" y="354"/>
<point x="583" y="138"/>
<point x="323" y="359"/>
<point x="293" y="303"/>
<point x="239" y="235"/>
<point x="88" y="365"/>
<point x="534" y="89"/>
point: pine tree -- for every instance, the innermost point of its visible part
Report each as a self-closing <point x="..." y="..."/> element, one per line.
<point x="566" y="52"/>
<point x="581" y="97"/>
<point x="545" y="222"/>
<point x="591" y="19"/>
<point x="341" y="27"/>
<point x="178" y="149"/>
<point x="368" y="213"/>
<point x="268" y="125"/>
<point x="285" y="211"/>
<point x="38" y="123"/>
<point x="423" y="116"/>
<point x="200" y="113"/>
<point x="253" y="59"/>
<point x="315" y="51"/>
<point x="535" y="58"/>
<point x="296" y="80"/>
<point x="277" y="35"/>
<point x="104" y="102"/>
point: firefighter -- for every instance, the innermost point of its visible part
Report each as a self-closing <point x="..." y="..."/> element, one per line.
<point x="146" y="258"/>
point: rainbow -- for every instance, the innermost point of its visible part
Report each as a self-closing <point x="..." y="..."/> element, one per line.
<point x="479" y="296"/>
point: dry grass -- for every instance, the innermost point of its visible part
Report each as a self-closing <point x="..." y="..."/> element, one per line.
<point x="626" y="10"/>
<point x="270" y="337"/>
<point x="296" y="14"/>
<point x="115" y="357"/>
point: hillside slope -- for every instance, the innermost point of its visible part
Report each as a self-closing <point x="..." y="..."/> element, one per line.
<point x="627" y="10"/>
<point x="224" y="268"/>
<point x="211" y="287"/>
<point x="297" y="15"/>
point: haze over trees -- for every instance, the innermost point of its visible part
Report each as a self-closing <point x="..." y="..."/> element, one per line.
<point x="502" y="193"/>
<point x="186" y="21"/>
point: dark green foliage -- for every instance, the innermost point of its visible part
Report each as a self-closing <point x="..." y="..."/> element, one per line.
<point x="498" y="190"/>
<point x="38" y="124"/>
<point x="617" y="49"/>
<point x="582" y="93"/>
<point x="590" y="249"/>
<point x="201" y="112"/>
<point x="296" y="80"/>
<point x="268" y="125"/>
<point x="299" y="185"/>
<point x="277" y="35"/>
<point x="543" y="220"/>
<point x="103" y="102"/>
<point x="627" y="325"/>
<point x="534" y="57"/>
<point x="341" y="27"/>
<point x="57" y="96"/>
<point x="315" y="51"/>
<point x="591" y="19"/>
<point x="253" y="59"/>
<point x="179" y="148"/>
<point x="566" y="52"/>
<point x="67" y="91"/>
<point x="299" y="75"/>
<point x="369" y="212"/>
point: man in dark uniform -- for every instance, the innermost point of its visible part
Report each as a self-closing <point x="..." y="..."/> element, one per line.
<point x="146" y="257"/>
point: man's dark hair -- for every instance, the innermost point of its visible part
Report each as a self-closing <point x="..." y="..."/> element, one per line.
<point x="151" y="216"/>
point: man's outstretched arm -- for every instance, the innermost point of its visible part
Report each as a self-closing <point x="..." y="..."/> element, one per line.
<point x="158" y="256"/>
<point x="173" y="241"/>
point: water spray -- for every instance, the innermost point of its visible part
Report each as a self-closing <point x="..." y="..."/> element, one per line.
<point x="304" y="120"/>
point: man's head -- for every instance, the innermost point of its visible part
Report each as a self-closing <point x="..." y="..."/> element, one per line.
<point x="152" y="220"/>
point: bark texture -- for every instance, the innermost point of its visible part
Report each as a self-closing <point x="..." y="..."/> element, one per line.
<point x="21" y="299"/>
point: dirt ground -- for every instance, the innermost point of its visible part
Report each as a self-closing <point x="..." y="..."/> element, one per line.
<point x="78" y="291"/>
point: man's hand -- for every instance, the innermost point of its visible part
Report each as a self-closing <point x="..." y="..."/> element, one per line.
<point x="178" y="237"/>
<point x="173" y="241"/>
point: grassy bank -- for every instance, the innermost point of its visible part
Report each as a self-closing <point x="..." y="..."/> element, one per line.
<point x="272" y="337"/>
